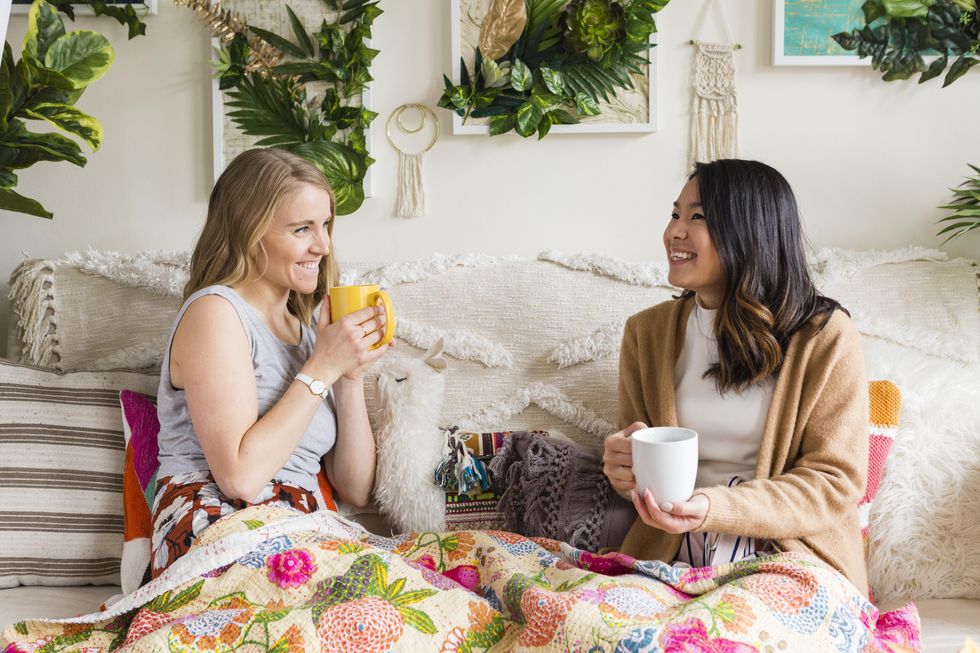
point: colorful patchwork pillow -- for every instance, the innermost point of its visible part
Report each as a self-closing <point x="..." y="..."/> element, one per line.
<point x="140" y="429"/>
<point x="886" y="404"/>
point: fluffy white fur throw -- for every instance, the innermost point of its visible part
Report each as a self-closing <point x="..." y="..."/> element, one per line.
<point x="411" y="442"/>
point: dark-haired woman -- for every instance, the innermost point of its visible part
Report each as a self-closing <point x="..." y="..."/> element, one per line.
<point x="766" y="370"/>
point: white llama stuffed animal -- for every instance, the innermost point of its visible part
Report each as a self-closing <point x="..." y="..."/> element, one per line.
<point x="410" y="442"/>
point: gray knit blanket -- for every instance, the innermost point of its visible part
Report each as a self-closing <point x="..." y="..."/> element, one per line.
<point x="556" y="489"/>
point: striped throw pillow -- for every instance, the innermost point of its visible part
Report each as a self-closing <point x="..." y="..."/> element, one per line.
<point x="61" y="470"/>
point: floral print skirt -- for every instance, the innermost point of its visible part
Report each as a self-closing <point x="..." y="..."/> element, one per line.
<point x="188" y="503"/>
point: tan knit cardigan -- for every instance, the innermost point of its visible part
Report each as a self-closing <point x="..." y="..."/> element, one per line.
<point x="813" y="456"/>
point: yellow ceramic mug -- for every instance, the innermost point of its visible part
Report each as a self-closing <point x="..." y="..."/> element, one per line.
<point x="345" y="300"/>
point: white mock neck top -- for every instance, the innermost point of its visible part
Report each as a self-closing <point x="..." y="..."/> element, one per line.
<point x="729" y="426"/>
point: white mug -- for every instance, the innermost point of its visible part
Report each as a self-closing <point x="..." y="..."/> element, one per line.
<point x="665" y="461"/>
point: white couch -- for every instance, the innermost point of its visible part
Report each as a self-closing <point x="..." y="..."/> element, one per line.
<point x="533" y="344"/>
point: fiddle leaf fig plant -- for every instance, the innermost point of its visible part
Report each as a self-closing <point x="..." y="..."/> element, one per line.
<point x="965" y="208"/>
<point x="54" y="69"/>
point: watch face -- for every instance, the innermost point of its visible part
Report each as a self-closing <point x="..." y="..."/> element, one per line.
<point x="317" y="386"/>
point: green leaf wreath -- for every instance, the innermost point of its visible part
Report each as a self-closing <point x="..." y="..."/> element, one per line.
<point x="55" y="68"/>
<point x="898" y="33"/>
<point x="273" y="100"/>
<point x="569" y="54"/>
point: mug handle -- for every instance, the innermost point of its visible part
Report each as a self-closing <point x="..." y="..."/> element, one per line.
<point x="381" y="297"/>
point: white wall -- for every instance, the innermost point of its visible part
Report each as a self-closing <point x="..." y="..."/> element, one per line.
<point x="870" y="161"/>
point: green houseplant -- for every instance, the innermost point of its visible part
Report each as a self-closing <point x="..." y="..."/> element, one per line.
<point x="965" y="208"/>
<point x="54" y="69"/>
<point x="899" y="33"/>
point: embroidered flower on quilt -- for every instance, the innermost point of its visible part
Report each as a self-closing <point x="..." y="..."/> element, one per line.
<point x="291" y="568"/>
<point x="454" y="641"/>
<point x="256" y="557"/>
<point x="692" y="635"/>
<point x="544" y="611"/>
<point x="735" y="612"/>
<point x="694" y="575"/>
<point x="783" y="587"/>
<point x="639" y="640"/>
<point x="367" y="625"/>
<point x="625" y="602"/>
<point x="457" y="545"/>
<point x="342" y="546"/>
<point x="214" y="631"/>
<point x="607" y="565"/>
<point x="292" y="641"/>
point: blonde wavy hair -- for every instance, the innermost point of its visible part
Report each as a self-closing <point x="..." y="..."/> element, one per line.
<point x="242" y="207"/>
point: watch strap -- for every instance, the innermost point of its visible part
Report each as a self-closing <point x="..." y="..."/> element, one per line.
<point x="308" y="381"/>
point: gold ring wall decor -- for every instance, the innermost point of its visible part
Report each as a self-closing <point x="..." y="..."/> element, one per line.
<point x="410" y="202"/>
<point x="424" y="112"/>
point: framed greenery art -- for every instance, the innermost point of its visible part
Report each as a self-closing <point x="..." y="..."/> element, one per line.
<point x="541" y="66"/>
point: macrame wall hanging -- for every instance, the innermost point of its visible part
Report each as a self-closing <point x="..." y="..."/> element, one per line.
<point x="714" y="110"/>
<point x="410" y="202"/>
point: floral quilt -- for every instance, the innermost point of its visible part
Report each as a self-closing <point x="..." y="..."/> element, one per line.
<point x="266" y="580"/>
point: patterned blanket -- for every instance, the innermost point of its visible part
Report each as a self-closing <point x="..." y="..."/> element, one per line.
<point x="265" y="579"/>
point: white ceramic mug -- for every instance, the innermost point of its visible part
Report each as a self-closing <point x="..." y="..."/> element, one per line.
<point x="665" y="461"/>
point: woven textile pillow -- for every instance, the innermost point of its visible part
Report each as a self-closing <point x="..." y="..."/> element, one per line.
<point x="61" y="462"/>
<point x="478" y="510"/>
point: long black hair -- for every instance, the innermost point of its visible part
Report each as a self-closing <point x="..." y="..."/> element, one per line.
<point x="755" y="227"/>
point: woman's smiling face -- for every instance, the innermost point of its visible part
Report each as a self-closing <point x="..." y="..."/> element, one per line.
<point x="694" y="262"/>
<point x="297" y="240"/>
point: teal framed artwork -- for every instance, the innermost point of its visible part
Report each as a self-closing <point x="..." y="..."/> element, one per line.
<point x="802" y="31"/>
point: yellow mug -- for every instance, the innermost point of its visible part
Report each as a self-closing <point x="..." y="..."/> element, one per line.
<point x="345" y="300"/>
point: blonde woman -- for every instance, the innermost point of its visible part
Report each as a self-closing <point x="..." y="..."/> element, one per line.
<point x="258" y="388"/>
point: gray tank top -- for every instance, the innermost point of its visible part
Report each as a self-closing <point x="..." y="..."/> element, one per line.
<point x="276" y="364"/>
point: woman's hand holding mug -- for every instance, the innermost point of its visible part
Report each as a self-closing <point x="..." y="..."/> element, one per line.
<point x="347" y="346"/>
<point x="617" y="459"/>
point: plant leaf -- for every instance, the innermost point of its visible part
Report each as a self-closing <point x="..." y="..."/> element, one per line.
<point x="82" y="57"/>
<point x="520" y="76"/>
<point x="586" y="105"/>
<point x="418" y="620"/>
<point x="905" y="8"/>
<point x="278" y="42"/>
<point x="502" y="27"/>
<point x="544" y="126"/>
<point x="70" y="120"/>
<point x="528" y="116"/>
<point x="40" y="147"/>
<point x="343" y="167"/>
<point x="935" y="69"/>
<point x="44" y="27"/>
<point x="300" y="32"/>
<point x="553" y="80"/>
<point x="12" y="201"/>
<point x="502" y="124"/>
<point x="959" y="68"/>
